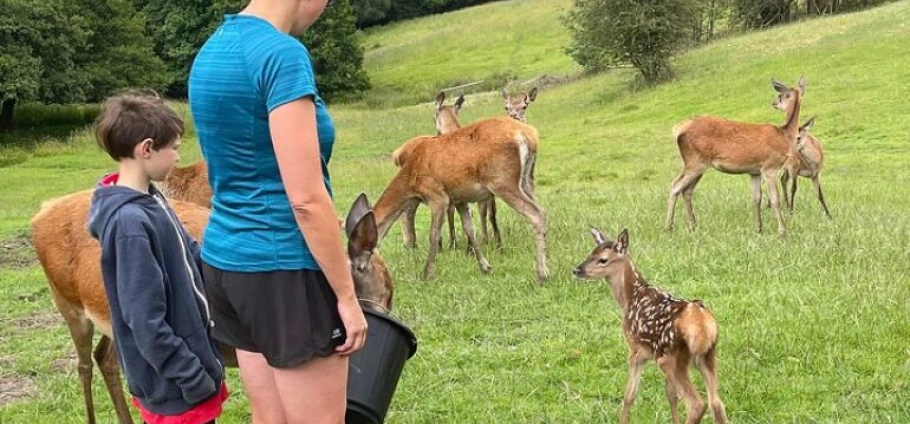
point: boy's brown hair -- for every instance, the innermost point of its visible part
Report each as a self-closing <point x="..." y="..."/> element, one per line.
<point x="127" y="119"/>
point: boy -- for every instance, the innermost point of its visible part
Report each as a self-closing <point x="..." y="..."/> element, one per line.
<point x="159" y="313"/>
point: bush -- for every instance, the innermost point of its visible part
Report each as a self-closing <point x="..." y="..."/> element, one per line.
<point x="643" y="33"/>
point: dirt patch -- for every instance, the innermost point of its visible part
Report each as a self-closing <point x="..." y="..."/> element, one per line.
<point x="37" y="320"/>
<point x="14" y="387"/>
<point x="17" y="252"/>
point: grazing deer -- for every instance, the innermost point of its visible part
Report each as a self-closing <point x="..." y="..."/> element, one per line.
<point x="760" y="150"/>
<point x="807" y="162"/>
<point x="493" y="157"/>
<point x="71" y="261"/>
<point x="658" y="326"/>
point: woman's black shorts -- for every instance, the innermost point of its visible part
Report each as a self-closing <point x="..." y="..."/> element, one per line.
<point x="287" y="316"/>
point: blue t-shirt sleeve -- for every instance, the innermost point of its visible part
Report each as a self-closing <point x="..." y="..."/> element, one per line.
<point x="286" y="74"/>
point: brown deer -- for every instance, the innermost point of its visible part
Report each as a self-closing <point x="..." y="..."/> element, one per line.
<point x="658" y="326"/>
<point x="71" y="261"/>
<point x="447" y="121"/>
<point x="760" y="150"/>
<point x="493" y="157"/>
<point x="517" y="107"/>
<point x="807" y="162"/>
<point x="190" y="184"/>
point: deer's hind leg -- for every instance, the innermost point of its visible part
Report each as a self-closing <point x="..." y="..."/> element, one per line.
<point x="106" y="357"/>
<point x="707" y="365"/>
<point x="468" y="227"/>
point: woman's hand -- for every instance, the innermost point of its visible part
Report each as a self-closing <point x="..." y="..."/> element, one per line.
<point x="355" y="325"/>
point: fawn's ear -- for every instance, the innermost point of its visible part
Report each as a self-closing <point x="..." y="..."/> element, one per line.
<point x="598" y="236"/>
<point x="532" y="95"/>
<point x="441" y="97"/>
<point x="779" y="86"/>
<point x="505" y="94"/>
<point x="622" y="242"/>
<point x="458" y="102"/>
<point x="802" y="84"/>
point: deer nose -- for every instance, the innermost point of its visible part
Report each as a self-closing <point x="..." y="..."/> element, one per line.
<point x="576" y="272"/>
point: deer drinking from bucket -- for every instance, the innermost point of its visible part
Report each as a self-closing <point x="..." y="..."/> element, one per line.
<point x="71" y="261"/>
<point x="760" y="150"/>
<point x="657" y="326"/>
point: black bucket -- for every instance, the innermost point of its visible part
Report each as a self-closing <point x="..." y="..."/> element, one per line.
<point x="373" y="371"/>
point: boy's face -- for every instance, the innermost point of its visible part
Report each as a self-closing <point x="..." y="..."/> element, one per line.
<point x="159" y="163"/>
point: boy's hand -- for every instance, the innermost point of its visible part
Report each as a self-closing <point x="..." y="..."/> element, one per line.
<point x="355" y="325"/>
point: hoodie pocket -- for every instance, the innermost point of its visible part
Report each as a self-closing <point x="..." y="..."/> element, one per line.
<point x="201" y="345"/>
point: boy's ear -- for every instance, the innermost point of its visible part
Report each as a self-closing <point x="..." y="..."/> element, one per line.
<point x="144" y="148"/>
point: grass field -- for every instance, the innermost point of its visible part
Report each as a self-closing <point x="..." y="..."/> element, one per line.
<point x="813" y="328"/>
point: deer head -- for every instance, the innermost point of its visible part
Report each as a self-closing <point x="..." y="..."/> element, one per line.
<point x="372" y="281"/>
<point x="607" y="258"/>
<point x="787" y="95"/>
<point x="446" y="117"/>
<point x="517" y="107"/>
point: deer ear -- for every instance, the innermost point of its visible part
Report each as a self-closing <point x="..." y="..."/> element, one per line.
<point x="364" y="236"/>
<point x="802" y="84"/>
<point x="359" y="209"/>
<point x="441" y="97"/>
<point x="459" y="101"/>
<point x="779" y="86"/>
<point x="505" y="94"/>
<point x="598" y="236"/>
<point x="622" y="241"/>
<point x="806" y="127"/>
<point x="532" y="95"/>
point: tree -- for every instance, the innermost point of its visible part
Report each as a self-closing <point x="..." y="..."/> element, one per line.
<point x="643" y="33"/>
<point x="337" y="53"/>
<point x="66" y="51"/>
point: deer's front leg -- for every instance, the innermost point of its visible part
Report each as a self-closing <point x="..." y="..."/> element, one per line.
<point x="636" y="366"/>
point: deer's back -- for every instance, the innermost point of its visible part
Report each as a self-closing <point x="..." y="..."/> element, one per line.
<point x="71" y="258"/>
<point x="189" y="184"/>
<point x="732" y="146"/>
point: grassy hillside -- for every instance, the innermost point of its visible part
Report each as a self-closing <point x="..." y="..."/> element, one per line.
<point x="813" y="328"/>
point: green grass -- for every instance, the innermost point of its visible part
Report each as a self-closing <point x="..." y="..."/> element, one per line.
<point x="496" y="43"/>
<point x="813" y="328"/>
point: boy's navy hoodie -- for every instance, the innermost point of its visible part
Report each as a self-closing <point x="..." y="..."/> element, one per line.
<point x="158" y="309"/>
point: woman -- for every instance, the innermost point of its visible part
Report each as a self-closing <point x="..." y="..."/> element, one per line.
<point x="275" y="269"/>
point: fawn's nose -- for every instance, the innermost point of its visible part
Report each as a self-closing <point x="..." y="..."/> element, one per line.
<point x="576" y="272"/>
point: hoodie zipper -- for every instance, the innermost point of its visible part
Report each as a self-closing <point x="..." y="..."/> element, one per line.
<point x="189" y="269"/>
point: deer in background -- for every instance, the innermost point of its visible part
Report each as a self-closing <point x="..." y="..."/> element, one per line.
<point x="189" y="184"/>
<point x="446" y="119"/>
<point x="71" y="260"/>
<point x="760" y="150"/>
<point x="657" y="326"/>
<point x="493" y="157"/>
<point x="807" y="162"/>
<point x="517" y="106"/>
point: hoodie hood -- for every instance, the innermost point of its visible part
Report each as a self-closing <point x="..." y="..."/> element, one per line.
<point x="108" y="198"/>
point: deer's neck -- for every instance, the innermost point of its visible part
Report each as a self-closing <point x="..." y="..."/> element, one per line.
<point x="791" y="125"/>
<point x="623" y="285"/>
<point x="393" y="202"/>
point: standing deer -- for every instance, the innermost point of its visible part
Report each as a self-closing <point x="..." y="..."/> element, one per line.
<point x="760" y="150"/>
<point x="493" y="157"/>
<point x="658" y="326"/>
<point x="807" y="162"/>
<point x="71" y="261"/>
<point x="446" y="119"/>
